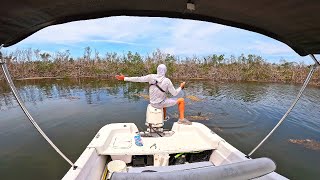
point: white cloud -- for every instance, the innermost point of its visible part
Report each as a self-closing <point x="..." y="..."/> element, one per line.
<point x="192" y="37"/>
<point x="115" y="41"/>
<point x="117" y="29"/>
<point x="271" y="48"/>
<point x="175" y="36"/>
<point x="179" y="36"/>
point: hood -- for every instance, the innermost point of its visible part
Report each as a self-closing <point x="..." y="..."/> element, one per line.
<point x="161" y="72"/>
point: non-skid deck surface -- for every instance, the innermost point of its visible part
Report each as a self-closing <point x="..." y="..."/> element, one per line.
<point x="179" y="142"/>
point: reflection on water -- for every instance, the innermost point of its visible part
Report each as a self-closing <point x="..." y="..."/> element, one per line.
<point x="40" y="90"/>
<point x="33" y="91"/>
<point x="71" y="111"/>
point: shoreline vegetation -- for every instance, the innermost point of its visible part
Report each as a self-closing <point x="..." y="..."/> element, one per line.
<point x="35" y="64"/>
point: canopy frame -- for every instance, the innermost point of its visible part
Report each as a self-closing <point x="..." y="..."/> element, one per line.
<point x="25" y="110"/>
<point x="306" y="82"/>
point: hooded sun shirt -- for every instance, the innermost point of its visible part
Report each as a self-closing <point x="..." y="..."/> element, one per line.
<point x="156" y="95"/>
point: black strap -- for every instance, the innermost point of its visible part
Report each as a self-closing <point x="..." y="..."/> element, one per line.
<point x="156" y="84"/>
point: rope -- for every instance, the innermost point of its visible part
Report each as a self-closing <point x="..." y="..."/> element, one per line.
<point x="313" y="68"/>
<point x="21" y="104"/>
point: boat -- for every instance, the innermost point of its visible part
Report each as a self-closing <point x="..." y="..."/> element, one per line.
<point x="122" y="151"/>
<point x="184" y="152"/>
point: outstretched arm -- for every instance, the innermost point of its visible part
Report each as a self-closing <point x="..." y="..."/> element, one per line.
<point x="146" y="78"/>
<point x="174" y="91"/>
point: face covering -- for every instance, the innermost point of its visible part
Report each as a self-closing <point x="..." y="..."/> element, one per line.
<point x="161" y="70"/>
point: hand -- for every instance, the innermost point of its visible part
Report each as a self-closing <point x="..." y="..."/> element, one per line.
<point x="120" y="77"/>
<point x="182" y="85"/>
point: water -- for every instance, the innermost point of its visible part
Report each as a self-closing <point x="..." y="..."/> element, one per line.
<point x="72" y="111"/>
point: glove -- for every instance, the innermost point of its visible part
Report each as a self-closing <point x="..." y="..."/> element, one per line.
<point x="182" y="85"/>
<point x="120" y="77"/>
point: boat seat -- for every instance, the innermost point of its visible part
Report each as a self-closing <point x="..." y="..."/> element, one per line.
<point x="170" y="168"/>
<point x="154" y="117"/>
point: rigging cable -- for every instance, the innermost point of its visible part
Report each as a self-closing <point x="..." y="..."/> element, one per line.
<point x="306" y="82"/>
<point x="23" y="107"/>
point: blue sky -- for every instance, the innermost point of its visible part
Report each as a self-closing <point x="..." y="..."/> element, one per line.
<point x="144" y="35"/>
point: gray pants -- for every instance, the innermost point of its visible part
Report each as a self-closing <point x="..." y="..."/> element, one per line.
<point x="166" y="103"/>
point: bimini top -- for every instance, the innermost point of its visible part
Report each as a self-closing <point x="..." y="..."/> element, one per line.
<point x="294" y="22"/>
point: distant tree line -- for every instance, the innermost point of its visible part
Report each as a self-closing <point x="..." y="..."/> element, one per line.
<point x="29" y="63"/>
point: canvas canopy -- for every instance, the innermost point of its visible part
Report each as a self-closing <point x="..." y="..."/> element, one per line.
<point x="294" y="22"/>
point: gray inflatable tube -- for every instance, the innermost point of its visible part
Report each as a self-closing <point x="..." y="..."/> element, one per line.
<point x="236" y="171"/>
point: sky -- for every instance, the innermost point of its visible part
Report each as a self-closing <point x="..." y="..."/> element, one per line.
<point x="183" y="38"/>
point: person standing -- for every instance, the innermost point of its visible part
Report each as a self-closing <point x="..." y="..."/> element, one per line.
<point x="159" y="86"/>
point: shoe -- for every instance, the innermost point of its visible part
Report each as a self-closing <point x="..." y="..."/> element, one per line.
<point x="184" y="121"/>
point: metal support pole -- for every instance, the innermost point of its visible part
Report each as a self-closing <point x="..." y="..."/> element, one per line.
<point x="313" y="68"/>
<point x="1" y="58"/>
<point x="24" y="109"/>
<point x="314" y="59"/>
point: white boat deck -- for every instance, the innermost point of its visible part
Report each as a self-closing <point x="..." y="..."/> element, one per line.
<point x="120" y="140"/>
<point x="117" y="140"/>
<point x="183" y="142"/>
